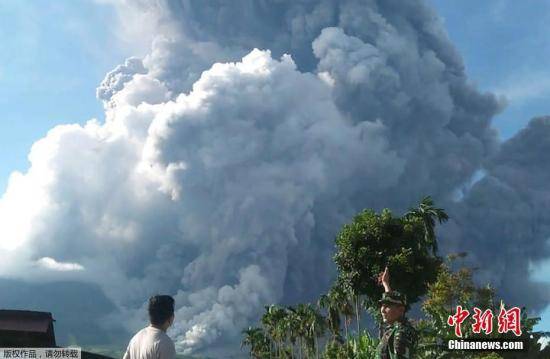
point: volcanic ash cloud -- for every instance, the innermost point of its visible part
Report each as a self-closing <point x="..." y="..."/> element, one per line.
<point x="223" y="172"/>
<point x="204" y="196"/>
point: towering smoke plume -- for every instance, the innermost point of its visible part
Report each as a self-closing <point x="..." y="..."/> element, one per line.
<point x="233" y="152"/>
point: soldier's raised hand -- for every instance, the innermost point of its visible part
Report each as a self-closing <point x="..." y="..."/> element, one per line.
<point x="384" y="279"/>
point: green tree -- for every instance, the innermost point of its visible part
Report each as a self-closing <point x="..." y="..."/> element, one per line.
<point x="360" y="347"/>
<point x="273" y="322"/>
<point x="428" y="213"/>
<point x="312" y="326"/>
<point x="300" y="316"/>
<point x="337" y="304"/>
<point x="293" y="329"/>
<point x="373" y="241"/>
<point x="453" y="288"/>
<point x="316" y="327"/>
<point x="408" y="247"/>
<point x="329" y="302"/>
<point x="258" y="342"/>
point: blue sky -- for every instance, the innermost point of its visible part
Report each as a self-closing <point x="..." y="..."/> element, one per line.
<point x="504" y="46"/>
<point x="55" y="53"/>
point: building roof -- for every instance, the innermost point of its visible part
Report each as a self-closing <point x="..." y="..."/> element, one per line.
<point x="25" y="320"/>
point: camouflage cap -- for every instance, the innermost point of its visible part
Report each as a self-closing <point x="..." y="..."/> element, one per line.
<point x="393" y="297"/>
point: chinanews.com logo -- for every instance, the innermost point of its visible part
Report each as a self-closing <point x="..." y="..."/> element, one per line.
<point x="481" y="322"/>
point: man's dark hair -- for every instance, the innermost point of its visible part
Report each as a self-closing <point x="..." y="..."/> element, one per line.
<point x="161" y="308"/>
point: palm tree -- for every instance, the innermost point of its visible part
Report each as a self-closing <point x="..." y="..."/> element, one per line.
<point x="250" y="339"/>
<point x="292" y="326"/>
<point x="267" y="322"/>
<point x="300" y="314"/>
<point x="317" y="327"/>
<point x="304" y="313"/>
<point x="427" y="212"/>
<point x="273" y="322"/>
<point x="357" y="298"/>
<point x="258" y="342"/>
<point x="329" y="303"/>
<point x="342" y="297"/>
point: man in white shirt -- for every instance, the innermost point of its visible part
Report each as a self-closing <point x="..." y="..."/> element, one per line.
<point x="152" y="342"/>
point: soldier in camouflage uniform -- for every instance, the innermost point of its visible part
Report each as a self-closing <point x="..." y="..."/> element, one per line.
<point x="397" y="335"/>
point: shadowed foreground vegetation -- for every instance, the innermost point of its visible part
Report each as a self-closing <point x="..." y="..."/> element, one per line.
<point x="407" y="245"/>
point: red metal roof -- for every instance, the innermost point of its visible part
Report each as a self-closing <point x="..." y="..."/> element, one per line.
<point x="25" y="320"/>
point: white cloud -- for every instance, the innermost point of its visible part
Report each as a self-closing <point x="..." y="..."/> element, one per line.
<point x="212" y="188"/>
<point x="524" y="87"/>
<point x="52" y="264"/>
<point x="223" y="172"/>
